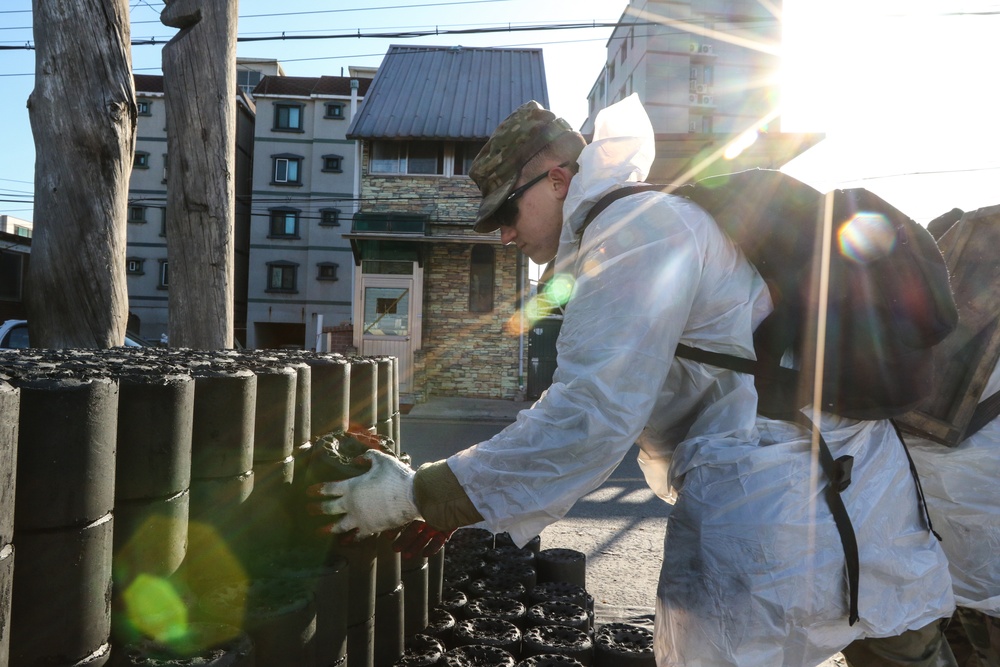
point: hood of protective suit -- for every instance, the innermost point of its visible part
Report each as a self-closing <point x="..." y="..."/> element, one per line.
<point x="622" y="151"/>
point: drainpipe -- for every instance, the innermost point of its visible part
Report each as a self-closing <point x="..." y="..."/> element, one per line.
<point x="356" y="204"/>
<point x="522" y="282"/>
<point x="355" y="84"/>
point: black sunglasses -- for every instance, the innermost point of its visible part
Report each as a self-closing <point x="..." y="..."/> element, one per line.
<point x="507" y="212"/>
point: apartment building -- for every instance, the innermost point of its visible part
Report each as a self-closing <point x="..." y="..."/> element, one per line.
<point x="306" y="190"/>
<point x="706" y="72"/>
<point x="147" y="269"/>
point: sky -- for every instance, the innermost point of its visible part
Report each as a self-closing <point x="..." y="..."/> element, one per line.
<point x="905" y="90"/>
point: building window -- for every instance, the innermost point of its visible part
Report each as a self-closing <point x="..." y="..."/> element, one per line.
<point x="424" y="157"/>
<point x="143" y="107"/>
<point x="465" y="153"/>
<point x="408" y="157"/>
<point x="21" y="230"/>
<point x="163" y="222"/>
<point x="137" y="213"/>
<point x="288" y="117"/>
<point x="287" y="170"/>
<point x="334" y="110"/>
<point x="333" y="163"/>
<point x="481" y="279"/>
<point x="388" y="157"/>
<point x="163" y="282"/>
<point x="166" y="164"/>
<point x="247" y="80"/>
<point x="281" y="276"/>
<point x="330" y="217"/>
<point x="326" y="271"/>
<point x="624" y="51"/>
<point x="709" y="75"/>
<point x="133" y="266"/>
<point x="611" y="71"/>
<point x="141" y="160"/>
<point x="284" y="223"/>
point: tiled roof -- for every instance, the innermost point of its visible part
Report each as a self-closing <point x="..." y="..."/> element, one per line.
<point x="309" y="85"/>
<point x="148" y="83"/>
<point x="432" y="92"/>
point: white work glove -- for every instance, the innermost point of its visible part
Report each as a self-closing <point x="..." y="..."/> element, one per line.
<point x="376" y="501"/>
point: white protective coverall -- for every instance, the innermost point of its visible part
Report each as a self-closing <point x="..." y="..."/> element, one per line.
<point x="753" y="571"/>
<point x="962" y="485"/>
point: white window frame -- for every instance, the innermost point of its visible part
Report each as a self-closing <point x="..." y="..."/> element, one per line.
<point x="287" y="161"/>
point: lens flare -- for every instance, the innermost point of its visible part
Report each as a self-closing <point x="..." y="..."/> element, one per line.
<point x="553" y="296"/>
<point x="559" y="289"/>
<point x="155" y="609"/>
<point x="866" y="237"/>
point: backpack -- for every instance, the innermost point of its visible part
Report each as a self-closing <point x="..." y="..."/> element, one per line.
<point x="888" y="302"/>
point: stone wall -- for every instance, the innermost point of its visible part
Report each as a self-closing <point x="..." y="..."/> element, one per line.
<point x="465" y="353"/>
<point x="448" y="201"/>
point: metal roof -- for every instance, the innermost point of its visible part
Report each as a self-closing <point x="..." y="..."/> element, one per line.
<point x="435" y="92"/>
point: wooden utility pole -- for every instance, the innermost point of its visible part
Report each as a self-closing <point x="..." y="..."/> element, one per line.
<point x="83" y="116"/>
<point x="199" y="84"/>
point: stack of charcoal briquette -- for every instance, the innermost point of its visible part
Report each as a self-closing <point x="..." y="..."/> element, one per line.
<point x="500" y="605"/>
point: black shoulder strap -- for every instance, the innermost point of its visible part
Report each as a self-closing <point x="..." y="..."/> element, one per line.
<point x="610" y="198"/>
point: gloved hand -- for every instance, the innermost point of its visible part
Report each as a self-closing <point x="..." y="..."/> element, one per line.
<point x="420" y="539"/>
<point x="375" y="501"/>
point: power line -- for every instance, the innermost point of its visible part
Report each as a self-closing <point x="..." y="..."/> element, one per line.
<point x="409" y="34"/>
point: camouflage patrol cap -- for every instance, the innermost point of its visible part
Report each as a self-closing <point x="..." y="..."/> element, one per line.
<point x="527" y="130"/>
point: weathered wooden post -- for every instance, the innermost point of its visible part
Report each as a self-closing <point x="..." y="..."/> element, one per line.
<point x="83" y="162"/>
<point x="199" y="83"/>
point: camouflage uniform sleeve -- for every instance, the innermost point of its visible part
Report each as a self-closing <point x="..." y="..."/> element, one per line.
<point x="440" y="498"/>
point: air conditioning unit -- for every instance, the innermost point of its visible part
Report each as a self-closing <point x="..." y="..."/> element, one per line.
<point x="707" y="99"/>
<point x="706" y="48"/>
<point x="701" y="88"/>
<point x="692" y="126"/>
<point x="692" y="98"/>
<point x="694" y="47"/>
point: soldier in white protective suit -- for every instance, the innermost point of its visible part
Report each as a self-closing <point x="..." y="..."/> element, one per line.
<point x="962" y="486"/>
<point x="753" y="568"/>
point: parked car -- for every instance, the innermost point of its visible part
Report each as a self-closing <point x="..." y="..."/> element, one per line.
<point x="14" y="335"/>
